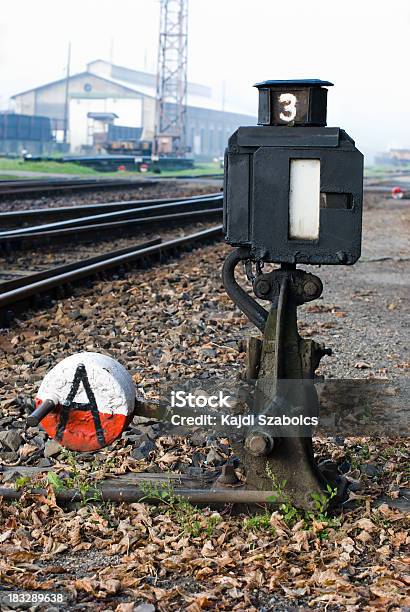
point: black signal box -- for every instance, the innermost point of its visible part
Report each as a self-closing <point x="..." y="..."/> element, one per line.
<point x="293" y="187"/>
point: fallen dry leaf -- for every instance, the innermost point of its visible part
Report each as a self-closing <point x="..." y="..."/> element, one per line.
<point x="362" y="365"/>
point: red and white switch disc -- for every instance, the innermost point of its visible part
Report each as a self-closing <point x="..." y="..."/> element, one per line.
<point x="94" y="399"/>
<point x="397" y="193"/>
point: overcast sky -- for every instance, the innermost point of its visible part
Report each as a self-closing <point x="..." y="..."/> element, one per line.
<point x="362" y="46"/>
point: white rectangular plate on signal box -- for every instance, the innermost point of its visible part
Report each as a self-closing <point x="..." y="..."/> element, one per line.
<point x="304" y="199"/>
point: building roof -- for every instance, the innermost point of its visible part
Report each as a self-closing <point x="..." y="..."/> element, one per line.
<point x="139" y="77"/>
<point x="85" y="73"/>
<point x="98" y="69"/>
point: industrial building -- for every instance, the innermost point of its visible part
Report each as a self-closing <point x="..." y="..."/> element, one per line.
<point x="105" y="95"/>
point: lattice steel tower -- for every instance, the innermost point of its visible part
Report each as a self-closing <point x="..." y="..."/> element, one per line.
<point x="170" y="123"/>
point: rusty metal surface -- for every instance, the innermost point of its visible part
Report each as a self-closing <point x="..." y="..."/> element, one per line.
<point x="265" y="453"/>
<point x="130" y="494"/>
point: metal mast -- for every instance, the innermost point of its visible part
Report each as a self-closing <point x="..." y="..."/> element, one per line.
<point x="170" y="123"/>
<point x="67" y="94"/>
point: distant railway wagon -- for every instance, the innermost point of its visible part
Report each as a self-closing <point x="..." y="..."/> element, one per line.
<point x="30" y="132"/>
<point x="126" y="140"/>
<point x="122" y="132"/>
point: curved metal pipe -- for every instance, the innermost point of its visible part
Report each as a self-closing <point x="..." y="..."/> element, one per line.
<point x="250" y="307"/>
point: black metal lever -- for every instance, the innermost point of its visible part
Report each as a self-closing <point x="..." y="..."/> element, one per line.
<point x="39" y="413"/>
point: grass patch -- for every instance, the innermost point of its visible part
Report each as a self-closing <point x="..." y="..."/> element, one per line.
<point x="199" y="169"/>
<point x="54" y="167"/>
<point x="258" y="522"/>
<point x="12" y="177"/>
<point x="46" y="167"/>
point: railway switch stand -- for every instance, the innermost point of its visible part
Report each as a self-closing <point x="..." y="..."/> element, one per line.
<point x="293" y="195"/>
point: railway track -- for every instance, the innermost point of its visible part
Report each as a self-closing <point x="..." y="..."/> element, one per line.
<point x="20" y="293"/>
<point x="27" y="188"/>
<point x="384" y="190"/>
<point x="384" y="185"/>
<point x="43" y="215"/>
<point x="126" y="219"/>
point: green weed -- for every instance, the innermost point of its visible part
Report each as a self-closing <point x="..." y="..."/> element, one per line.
<point x="80" y="480"/>
<point x="188" y="517"/>
<point x="21" y="482"/>
<point x="55" y="481"/>
<point x="258" y="522"/>
<point x="292" y="515"/>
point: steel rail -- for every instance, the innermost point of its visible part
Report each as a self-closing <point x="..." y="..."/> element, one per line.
<point x="30" y="289"/>
<point x="25" y="187"/>
<point x="15" y="283"/>
<point x="45" y="182"/>
<point x="99" y="181"/>
<point x="68" y="212"/>
<point x="112" y="216"/>
<point x="191" y="177"/>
